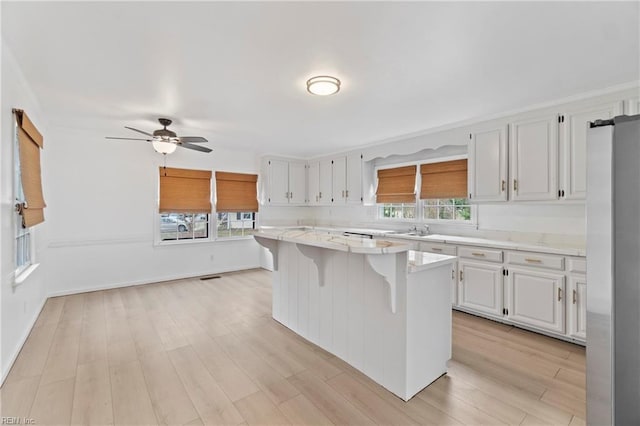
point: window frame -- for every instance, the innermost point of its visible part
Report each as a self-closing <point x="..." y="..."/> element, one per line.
<point x="238" y="237"/>
<point x="420" y="204"/>
<point x="160" y="241"/>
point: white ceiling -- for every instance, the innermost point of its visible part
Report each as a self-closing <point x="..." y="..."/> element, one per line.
<point x="235" y="72"/>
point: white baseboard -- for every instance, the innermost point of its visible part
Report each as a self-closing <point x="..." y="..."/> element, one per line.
<point x="22" y="341"/>
<point x="149" y="281"/>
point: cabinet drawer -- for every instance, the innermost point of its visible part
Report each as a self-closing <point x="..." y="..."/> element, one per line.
<point x="536" y="259"/>
<point x="577" y="265"/>
<point x="438" y="248"/>
<point x="480" y="254"/>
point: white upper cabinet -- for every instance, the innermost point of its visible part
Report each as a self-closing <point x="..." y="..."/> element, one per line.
<point x="339" y="180"/>
<point x="313" y="183"/>
<point x="354" y="179"/>
<point x="297" y="182"/>
<point x="632" y="106"/>
<point x="278" y="182"/>
<point x="533" y="159"/>
<point x="287" y="182"/>
<point x="573" y="147"/>
<point x="487" y="167"/>
<point x="326" y="182"/>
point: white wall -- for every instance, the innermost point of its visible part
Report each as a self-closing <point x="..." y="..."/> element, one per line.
<point x="19" y="306"/>
<point x="102" y="206"/>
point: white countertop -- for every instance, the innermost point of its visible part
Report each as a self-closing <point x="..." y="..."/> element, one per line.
<point x="508" y="245"/>
<point x="566" y="250"/>
<point x="421" y="260"/>
<point x="325" y="239"/>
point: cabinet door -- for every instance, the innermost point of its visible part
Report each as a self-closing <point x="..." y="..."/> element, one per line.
<point x="533" y="159"/>
<point x="326" y="182"/>
<point x="278" y="182"/>
<point x="339" y="180"/>
<point x="313" y="183"/>
<point x="577" y="301"/>
<point x="573" y="152"/>
<point x="487" y="177"/>
<point x="454" y="284"/>
<point x="297" y="182"/>
<point x="536" y="298"/>
<point x="480" y="287"/>
<point x="354" y="179"/>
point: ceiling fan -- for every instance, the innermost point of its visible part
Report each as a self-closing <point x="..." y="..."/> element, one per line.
<point x="166" y="141"/>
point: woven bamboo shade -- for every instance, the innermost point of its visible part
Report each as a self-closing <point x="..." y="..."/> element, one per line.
<point x="397" y="185"/>
<point x="447" y="179"/>
<point x="185" y="191"/>
<point x="30" y="141"/>
<point x="236" y="192"/>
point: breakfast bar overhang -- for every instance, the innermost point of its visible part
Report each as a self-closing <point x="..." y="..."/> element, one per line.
<point x="378" y="305"/>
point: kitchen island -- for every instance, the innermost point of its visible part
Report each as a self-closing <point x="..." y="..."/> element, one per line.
<point x="378" y="305"/>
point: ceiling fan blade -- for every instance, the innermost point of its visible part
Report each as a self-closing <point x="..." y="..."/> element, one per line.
<point x="195" y="147"/>
<point x="139" y="131"/>
<point x="192" y="139"/>
<point x="128" y="139"/>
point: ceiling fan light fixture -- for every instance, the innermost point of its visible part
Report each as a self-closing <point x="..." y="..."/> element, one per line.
<point x="164" y="147"/>
<point x="323" y="85"/>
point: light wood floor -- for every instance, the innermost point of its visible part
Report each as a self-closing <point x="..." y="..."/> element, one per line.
<point x="208" y="352"/>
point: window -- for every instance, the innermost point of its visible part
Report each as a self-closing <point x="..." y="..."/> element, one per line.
<point x="185" y="204"/>
<point x="443" y="190"/>
<point x="236" y="224"/>
<point x="446" y="209"/>
<point x="236" y="204"/>
<point x="29" y="200"/>
<point x="183" y="226"/>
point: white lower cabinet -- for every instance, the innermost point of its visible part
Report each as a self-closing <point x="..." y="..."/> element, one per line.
<point x="481" y="287"/>
<point x="577" y="302"/>
<point x="536" y="298"/>
<point x="451" y="251"/>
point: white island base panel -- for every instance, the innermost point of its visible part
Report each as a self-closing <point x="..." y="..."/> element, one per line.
<point x="336" y="300"/>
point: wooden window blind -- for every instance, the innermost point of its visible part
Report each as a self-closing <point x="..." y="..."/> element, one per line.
<point x="236" y="192"/>
<point x="185" y="191"/>
<point x="397" y="185"/>
<point x="30" y="141"/>
<point x="447" y="179"/>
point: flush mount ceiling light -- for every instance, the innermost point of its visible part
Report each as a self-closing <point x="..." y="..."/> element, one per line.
<point x="323" y="85"/>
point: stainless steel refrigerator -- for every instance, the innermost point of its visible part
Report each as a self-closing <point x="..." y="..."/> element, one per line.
<point x="613" y="272"/>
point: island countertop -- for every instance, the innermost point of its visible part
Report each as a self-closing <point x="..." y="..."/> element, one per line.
<point x="324" y="239"/>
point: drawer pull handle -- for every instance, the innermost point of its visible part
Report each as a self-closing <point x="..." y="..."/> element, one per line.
<point x="559" y="294"/>
<point x="436" y="249"/>
<point x="575" y="297"/>
<point x="478" y="254"/>
<point x="533" y="260"/>
<point x="461" y="275"/>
